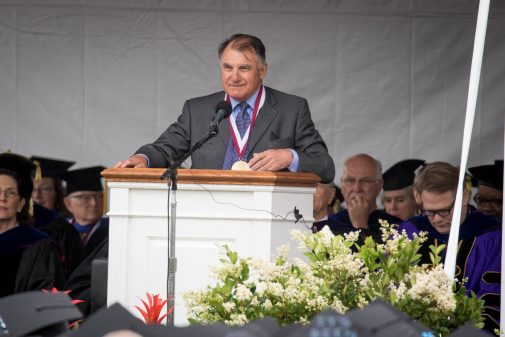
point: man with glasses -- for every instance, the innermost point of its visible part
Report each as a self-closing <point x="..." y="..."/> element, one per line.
<point x="489" y="197"/>
<point x="479" y="247"/>
<point x="361" y="183"/>
<point x="84" y="201"/>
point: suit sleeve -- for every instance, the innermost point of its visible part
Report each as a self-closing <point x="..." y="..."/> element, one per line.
<point x="311" y="149"/>
<point x="172" y="144"/>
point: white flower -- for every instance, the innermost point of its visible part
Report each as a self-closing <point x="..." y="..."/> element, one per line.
<point x="243" y="293"/>
<point x="229" y="306"/>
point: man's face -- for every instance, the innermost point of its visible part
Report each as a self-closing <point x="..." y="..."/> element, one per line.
<point x="360" y="178"/>
<point x="489" y="201"/>
<point x="323" y="195"/>
<point x="439" y="208"/>
<point x="399" y="203"/>
<point x="86" y="206"/>
<point x="241" y="73"/>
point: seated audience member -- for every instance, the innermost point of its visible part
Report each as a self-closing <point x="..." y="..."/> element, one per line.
<point x="489" y="197"/>
<point x="398" y="196"/>
<point x="323" y="196"/>
<point x="336" y="204"/>
<point x="361" y="184"/>
<point x="479" y="248"/>
<point x="326" y="201"/>
<point x="84" y="201"/>
<point x="48" y="190"/>
<point x="49" y="209"/>
<point x="29" y="258"/>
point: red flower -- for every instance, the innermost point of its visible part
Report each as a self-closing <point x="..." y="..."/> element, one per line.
<point x="153" y="309"/>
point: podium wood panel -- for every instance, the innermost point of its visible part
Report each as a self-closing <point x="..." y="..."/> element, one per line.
<point x="214" y="177"/>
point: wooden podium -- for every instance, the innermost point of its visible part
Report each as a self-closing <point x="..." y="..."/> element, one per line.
<point x="252" y="212"/>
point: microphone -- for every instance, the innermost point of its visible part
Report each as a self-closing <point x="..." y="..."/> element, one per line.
<point x="223" y="111"/>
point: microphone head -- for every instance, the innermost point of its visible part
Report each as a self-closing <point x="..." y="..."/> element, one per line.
<point x="226" y="107"/>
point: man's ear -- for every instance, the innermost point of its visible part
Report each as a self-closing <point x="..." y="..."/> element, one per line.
<point x="67" y="203"/>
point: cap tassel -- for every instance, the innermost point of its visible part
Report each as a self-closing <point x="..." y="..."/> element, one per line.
<point x="38" y="171"/>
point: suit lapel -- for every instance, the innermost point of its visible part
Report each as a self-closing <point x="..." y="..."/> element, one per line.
<point x="264" y="119"/>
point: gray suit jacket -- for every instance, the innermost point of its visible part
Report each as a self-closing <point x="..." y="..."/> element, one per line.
<point x="283" y="122"/>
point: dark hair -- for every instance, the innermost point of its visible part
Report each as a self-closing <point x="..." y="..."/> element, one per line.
<point x="23" y="217"/>
<point x="59" y="205"/>
<point x="242" y="42"/>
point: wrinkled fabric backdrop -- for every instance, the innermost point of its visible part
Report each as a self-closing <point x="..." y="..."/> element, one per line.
<point x="92" y="80"/>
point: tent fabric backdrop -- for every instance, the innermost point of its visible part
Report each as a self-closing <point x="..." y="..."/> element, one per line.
<point x="92" y="80"/>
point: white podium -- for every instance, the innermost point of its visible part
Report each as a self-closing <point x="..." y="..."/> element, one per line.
<point x="252" y="212"/>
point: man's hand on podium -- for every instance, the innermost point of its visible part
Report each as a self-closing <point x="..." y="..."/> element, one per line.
<point x="136" y="161"/>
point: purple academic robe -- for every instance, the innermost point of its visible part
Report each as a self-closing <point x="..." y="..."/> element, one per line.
<point x="478" y="259"/>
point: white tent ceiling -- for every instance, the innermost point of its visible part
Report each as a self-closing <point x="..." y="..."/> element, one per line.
<point x="93" y="80"/>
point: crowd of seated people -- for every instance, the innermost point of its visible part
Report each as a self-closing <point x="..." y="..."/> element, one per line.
<point x="52" y="224"/>
<point x="51" y="221"/>
<point x="419" y="196"/>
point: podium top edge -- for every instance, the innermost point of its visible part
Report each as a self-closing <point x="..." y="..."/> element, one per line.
<point x="215" y="177"/>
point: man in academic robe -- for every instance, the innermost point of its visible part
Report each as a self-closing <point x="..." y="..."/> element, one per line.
<point x="479" y="247"/>
<point x="361" y="183"/>
<point x="84" y="201"/>
<point x="489" y="197"/>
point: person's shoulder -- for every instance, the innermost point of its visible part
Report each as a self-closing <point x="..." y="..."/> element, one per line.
<point x="379" y="214"/>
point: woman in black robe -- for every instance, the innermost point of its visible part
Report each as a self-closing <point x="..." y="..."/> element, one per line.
<point x="29" y="258"/>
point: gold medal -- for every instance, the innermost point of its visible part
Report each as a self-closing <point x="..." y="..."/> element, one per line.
<point x="240" y="165"/>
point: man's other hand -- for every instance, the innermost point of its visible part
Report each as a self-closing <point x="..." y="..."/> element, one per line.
<point x="271" y="160"/>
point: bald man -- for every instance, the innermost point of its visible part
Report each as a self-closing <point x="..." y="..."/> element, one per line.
<point x="361" y="183"/>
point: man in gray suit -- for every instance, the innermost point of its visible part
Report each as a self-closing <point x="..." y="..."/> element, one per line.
<point x="268" y="130"/>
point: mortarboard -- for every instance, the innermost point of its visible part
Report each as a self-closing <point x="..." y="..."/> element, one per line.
<point x="106" y="320"/>
<point x="401" y="174"/>
<point x="468" y="330"/>
<point x="37" y="312"/>
<point x="84" y="179"/>
<point x="489" y="175"/>
<point x="380" y="319"/>
<point x="50" y="166"/>
<point x="23" y="167"/>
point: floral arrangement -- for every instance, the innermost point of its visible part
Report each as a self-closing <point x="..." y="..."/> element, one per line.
<point x="152" y="309"/>
<point x="339" y="274"/>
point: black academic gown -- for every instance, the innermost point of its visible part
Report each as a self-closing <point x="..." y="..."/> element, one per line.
<point x="80" y="281"/>
<point x="30" y="261"/>
<point x="340" y="223"/>
<point x="63" y="233"/>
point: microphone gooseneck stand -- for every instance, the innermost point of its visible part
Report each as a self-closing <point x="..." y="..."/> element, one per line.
<point x="171" y="174"/>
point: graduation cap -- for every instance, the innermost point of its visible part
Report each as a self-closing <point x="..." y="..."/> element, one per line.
<point x="468" y="330"/>
<point x="84" y="179"/>
<point x="36" y="313"/>
<point x="50" y="166"/>
<point x="106" y="320"/>
<point x="401" y="174"/>
<point x="23" y="167"/>
<point x="265" y="327"/>
<point x="489" y="175"/>
<point x="380" y="319"/>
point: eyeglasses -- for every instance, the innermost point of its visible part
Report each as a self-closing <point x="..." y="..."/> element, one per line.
<point x="87" y="197"/>
<point x="443" y="213"/>
<point x="480" y="201"/>
<point x="350" y="181"/>
<point x="9" y="193"/>
<point x="42" y="189"/>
